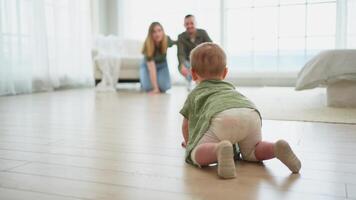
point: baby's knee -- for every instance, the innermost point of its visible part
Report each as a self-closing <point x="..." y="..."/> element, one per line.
<point x="204" y="154"/>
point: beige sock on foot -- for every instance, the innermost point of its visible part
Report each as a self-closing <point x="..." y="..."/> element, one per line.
<point x="226" y="163"/>
<point x="285" y="154"/>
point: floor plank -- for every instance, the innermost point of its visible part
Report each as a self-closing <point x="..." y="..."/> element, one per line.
<point x="8" y="164"/>
<point x="13" y="194"/>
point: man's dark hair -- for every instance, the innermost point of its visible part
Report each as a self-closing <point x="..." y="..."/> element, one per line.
<point x="189" y="15"/>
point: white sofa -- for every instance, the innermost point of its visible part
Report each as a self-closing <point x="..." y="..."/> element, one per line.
<point x="129" y="52"/>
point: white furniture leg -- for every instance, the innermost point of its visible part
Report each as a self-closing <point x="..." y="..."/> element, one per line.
<point x="342" y="94"/>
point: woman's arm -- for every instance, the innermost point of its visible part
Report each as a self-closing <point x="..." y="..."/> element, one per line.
<point x="185" y="130"/>
<point x="171" y="42"/>
<point x="153" y="75"/>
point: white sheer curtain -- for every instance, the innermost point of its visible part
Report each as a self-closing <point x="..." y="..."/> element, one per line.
<point x="44" y="44"/>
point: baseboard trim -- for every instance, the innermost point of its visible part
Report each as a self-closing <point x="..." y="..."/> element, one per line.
<point x="287" y="79"/>
<point x="97" y="81"/>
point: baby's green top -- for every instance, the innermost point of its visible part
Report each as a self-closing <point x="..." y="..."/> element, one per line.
<point x="209" y="98"/>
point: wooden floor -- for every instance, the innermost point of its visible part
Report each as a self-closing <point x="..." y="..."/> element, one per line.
<point x="79" y="144"/>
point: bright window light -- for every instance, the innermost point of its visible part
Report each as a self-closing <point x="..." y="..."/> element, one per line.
<point x="258" y="35"/>
<point x="277" y="35"/>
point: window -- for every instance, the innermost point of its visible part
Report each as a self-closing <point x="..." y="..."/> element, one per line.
<point x="258" y="35"/>
<point x="277" y="35"/>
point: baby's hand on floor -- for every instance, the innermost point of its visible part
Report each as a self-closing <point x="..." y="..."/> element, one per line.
<point x="184" y="145"/>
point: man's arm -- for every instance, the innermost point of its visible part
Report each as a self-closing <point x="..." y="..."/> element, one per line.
<point x="206" y="37"/>
<point x="180" y="53"/>
<point x="185" y="130"/>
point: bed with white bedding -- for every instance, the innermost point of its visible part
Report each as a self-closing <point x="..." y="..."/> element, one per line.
<point x="334" y="69"/>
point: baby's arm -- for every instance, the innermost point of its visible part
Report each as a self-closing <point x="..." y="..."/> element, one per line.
<point x="185" y="131"/>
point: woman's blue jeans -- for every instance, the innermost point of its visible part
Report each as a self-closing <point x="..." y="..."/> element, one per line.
<point x="163" y="77"/>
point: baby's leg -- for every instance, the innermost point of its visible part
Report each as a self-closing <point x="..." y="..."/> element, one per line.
<point x="222" y="153"/>
<point x="264" y="150"/>
<point x="205" y="154"/>
<point x="211" y="150"/>
<point x="267" y="150"/>
<point x="254" y="149"/>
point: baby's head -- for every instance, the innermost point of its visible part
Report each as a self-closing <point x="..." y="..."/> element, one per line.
<point x="208" y="61"/>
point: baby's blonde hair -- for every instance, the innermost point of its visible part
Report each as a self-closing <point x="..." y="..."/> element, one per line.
<point x="208" y="60"/>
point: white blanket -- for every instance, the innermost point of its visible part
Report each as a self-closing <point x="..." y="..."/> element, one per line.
<point x="107" y="56"/>
<point x="109" y="65"/>
<point x="328" y="67"/>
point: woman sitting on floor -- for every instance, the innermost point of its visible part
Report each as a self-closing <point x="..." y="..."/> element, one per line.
<point x="154" y="72"/>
